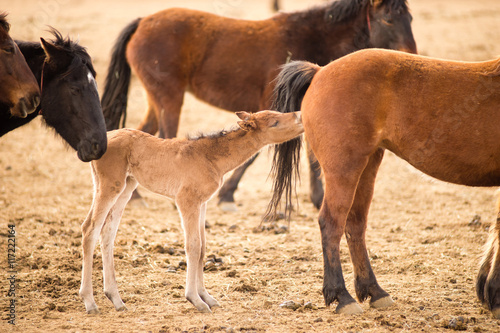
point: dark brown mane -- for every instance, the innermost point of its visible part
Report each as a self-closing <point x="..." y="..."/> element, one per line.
<point x="3" y="22"/>
<point x="343" y="10"/>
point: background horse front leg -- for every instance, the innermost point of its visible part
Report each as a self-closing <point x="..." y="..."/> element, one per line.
<point x="226" y="192"/>
<point x="364" y="279"/>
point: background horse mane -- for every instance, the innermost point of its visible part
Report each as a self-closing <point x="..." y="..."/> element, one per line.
<point x="343" y="10"/>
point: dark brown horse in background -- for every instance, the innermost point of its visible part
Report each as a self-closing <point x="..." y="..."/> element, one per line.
<point x="441" y="116"/>
<point x="232" y="63"/>
<point x="19" y="92"/>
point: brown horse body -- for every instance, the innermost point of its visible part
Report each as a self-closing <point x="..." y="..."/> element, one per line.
<point x="18" y="87"/>
<point x="440" y="116"/>
<point x="188" y="171"/>
<point x="231" y="63"/>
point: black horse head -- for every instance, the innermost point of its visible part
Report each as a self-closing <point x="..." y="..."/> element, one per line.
<point x="70" y="101"/>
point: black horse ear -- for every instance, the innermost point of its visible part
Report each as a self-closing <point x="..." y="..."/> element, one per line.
<point x="53" y="51"/>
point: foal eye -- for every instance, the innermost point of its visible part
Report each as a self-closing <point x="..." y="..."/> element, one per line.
<point x="275" y="123"/>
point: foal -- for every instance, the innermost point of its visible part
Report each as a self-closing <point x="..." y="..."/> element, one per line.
<point x="188" y="171"/>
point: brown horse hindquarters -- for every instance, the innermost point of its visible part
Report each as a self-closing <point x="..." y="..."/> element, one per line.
<point x="440" y="116"/>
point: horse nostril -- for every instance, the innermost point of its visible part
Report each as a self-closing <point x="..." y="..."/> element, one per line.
<point x="95" y="147"/>
<point x="36" y="101"/>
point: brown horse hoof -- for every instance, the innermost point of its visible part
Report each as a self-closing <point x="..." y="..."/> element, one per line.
<point x="228" y="207"/>
<point x="351" y="309"/>
<point x="496" y="313"/>
<point x="382" y="303"/>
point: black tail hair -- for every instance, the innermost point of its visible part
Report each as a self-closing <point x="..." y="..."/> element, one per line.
<point x="114" y="98"/>
<point x="291" y="85"/>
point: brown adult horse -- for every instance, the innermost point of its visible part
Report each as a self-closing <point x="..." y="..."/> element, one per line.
<point x="230" y="63"/>
<point x="440" y="116"/>
<point x="18" y="87"/>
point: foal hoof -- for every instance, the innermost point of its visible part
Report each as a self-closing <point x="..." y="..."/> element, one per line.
<point x="383" y="302"/>
<point x="351" y="309"/>
<point x="93" y="312"/>
<point x="122" y="308"/>
<point x="228" y="207"/>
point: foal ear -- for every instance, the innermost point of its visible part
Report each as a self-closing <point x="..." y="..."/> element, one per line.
<point x="243" y="115"/>
<point x="247" y="125"/>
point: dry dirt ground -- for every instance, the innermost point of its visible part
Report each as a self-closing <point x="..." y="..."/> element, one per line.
<point x="424" y="236"/>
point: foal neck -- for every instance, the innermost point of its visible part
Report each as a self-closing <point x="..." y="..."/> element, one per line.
<point x="229" y="150"/>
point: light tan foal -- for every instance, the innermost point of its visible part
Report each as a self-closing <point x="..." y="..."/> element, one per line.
<point x="189" y="171"/>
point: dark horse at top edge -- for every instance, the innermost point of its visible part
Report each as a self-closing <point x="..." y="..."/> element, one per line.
<point x="232" y="63"/>
<point x="19" y="92"/>
<point x="369" y="100"/>
<point x="69" y="98"/>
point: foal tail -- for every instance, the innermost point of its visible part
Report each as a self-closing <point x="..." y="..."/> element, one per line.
<point x="291" y="85"/>
<point x="114" y="98"/>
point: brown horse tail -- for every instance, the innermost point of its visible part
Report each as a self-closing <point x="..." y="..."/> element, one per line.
<point x="291" y="85"/>
<point x="114" y="98"/>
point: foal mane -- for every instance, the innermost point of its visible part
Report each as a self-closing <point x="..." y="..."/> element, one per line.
<point x="72" y="47"/>
<point x="343" y="10"/>
<point x="3" y="22"/>
<point x="213" y="135"/>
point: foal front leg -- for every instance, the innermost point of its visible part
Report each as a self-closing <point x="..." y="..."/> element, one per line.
<point x="205" y="296"/>
<point x="190" y="212"/>
<point x="108" y="236"/>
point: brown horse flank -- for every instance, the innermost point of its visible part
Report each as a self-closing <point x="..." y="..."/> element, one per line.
<point x="232" y="63"/>
<point x="189" y="171"/>
<point x="440" y="116"/>
<point x="18" y="87"/>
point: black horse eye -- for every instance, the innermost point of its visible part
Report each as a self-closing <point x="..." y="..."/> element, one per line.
<point x="75" y="90"/>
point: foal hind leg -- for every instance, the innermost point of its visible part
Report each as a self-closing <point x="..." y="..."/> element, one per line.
<point x="108" y="236"/>
<point x="364" y="278"/>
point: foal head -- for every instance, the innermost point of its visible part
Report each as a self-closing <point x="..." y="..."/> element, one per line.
<point x="271" y="126"/>
<point x="389" y="25"/>
<point x="18" y="87"/>
<point x="70" y="101"/>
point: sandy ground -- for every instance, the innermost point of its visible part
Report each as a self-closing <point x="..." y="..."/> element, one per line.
<point x="424" y="236"/>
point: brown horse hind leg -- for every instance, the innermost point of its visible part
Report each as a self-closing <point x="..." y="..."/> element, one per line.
<point x="339" y="195"/>
<point x="364" y="279"/>
<point x="488" y="279"/>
